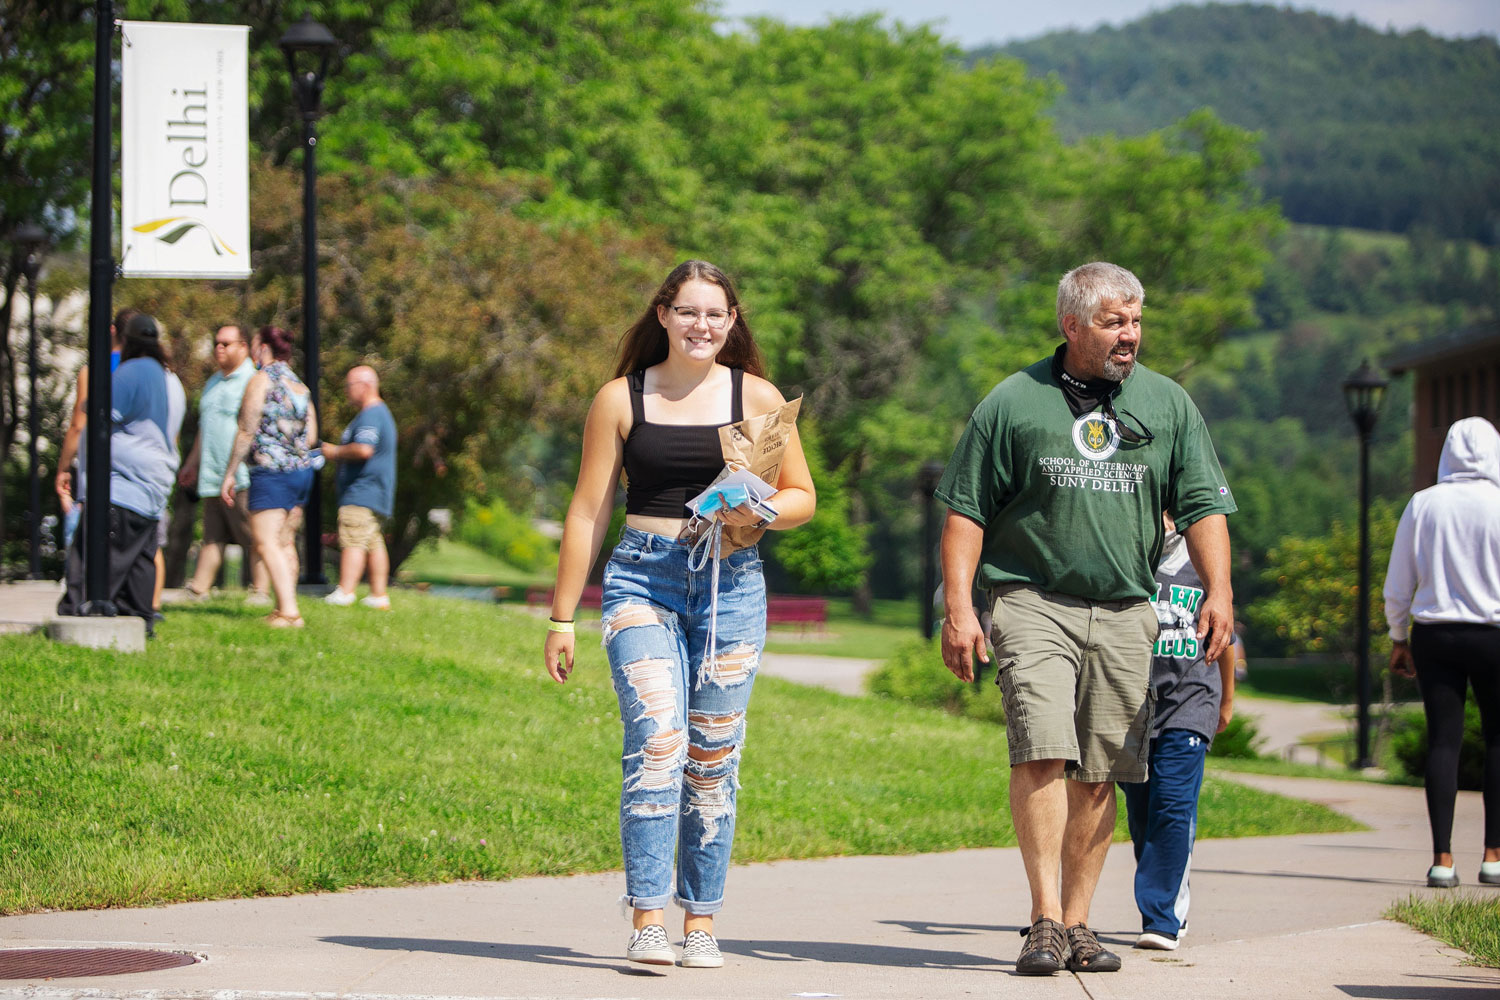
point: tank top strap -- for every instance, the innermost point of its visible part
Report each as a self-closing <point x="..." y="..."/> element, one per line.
<point x="637" y="382"/>
<point x="737" y="395"/>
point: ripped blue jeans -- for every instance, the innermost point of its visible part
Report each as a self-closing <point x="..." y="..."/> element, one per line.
<point x="683" y="710"/>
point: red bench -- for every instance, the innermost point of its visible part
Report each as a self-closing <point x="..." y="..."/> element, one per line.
<point x="592" y="597"/>
<point x="780" y="609"/>
<point x="801" y="611"/>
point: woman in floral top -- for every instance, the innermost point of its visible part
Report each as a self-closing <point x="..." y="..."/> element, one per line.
<point x="278" y="438"/>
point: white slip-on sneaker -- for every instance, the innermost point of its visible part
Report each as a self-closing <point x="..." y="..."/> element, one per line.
<point x="339" y="597"/>
<point x="1489" y="872"/>
<point x="1157" y="941"/>
<point x="650" y="946"/>
<point x="701" y="951"/>
<point x="1439" y="877"/>
<point x="381" y="603"/>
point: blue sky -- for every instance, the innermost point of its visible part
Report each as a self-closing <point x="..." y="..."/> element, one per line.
<point x="976" y="22"/>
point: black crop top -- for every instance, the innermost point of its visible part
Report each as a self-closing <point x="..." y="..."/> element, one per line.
<point x="666" y="465"/>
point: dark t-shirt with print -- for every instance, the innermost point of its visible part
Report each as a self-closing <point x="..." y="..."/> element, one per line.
<point x="1187" y="687"/>
<point x="1067" y="504"/>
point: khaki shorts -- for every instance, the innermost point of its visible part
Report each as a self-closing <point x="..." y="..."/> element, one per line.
<point x="359" y="528"/>
<point x="227" y="525"/>
<point x="1075" y="676"/>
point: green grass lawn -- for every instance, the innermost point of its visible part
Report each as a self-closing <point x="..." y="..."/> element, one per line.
<point x="1331" y="682"/>
<point x="1465" y="921"/>
<point x="426" y="744"/>
<point x="443" y="560"/>
<point x="847" y="633"/>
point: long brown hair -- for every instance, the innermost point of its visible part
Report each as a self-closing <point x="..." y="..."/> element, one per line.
<point x="645" y="343"/>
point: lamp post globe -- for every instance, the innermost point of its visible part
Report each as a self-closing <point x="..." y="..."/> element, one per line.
<point x="309" y="47"/>
<point x="1364" y="391"/>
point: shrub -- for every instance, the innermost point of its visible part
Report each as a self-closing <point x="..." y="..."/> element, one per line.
<point x="499" y="531"/>
<point x="1239" y="739"/>
<point x="915" y="673"/>
<point x="1408" y="746"/>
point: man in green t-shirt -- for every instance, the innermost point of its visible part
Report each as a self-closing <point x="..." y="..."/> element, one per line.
<point x="1055" y="496"/>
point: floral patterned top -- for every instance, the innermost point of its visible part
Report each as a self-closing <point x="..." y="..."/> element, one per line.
<point x="280" y="443"/>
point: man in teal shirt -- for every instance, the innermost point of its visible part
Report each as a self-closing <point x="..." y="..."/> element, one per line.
<point x="1055" y="496"/>
<point x="218" y="419"/>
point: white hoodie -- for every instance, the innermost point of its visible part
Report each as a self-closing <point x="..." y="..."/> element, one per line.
<point x="1445" y="563"/>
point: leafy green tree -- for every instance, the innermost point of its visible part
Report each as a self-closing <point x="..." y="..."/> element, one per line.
<point x="828" y="554"/>
<point x="1315" y="604"/>
<point x="1366" y="128"/>
<point x="484" y="324"/>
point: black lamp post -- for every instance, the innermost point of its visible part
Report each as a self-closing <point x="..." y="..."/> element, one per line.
<point x="1363" y="392"/>
<point x="308" y="47"/>
<point x="927" y="480"/>
<point x="31" y="243"/>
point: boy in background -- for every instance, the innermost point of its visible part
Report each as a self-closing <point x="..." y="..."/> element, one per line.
<point x="1194" y="700"/>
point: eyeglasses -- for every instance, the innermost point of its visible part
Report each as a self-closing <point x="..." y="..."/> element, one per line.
<point x="1128" y="434"/>
<point x="716" y="319"/>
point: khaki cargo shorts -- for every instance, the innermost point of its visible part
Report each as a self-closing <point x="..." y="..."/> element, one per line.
<point x="359" y="528"/>
<point x="1075" y="676"/>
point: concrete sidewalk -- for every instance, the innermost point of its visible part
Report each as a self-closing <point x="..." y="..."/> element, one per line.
<point x="1272" y="917"/>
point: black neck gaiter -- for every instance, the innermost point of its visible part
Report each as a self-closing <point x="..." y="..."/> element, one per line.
<point x="1082" y="395"/>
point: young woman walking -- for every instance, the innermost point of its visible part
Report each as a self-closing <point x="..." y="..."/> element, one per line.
<point x="687" y="367"/>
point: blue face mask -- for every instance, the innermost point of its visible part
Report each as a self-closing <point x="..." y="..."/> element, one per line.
<point x="723" y="499"/>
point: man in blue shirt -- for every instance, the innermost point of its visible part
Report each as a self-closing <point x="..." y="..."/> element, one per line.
<point x="367" y="490"/>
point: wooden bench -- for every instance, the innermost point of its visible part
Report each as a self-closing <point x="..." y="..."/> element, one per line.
<point x="592" y="597"/>
<point x="781" y="609"/>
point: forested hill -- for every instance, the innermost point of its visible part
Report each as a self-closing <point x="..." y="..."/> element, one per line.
<point x="1379" y="130"/>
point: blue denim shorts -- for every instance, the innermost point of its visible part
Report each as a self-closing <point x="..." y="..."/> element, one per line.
<point x="270" y="490"/>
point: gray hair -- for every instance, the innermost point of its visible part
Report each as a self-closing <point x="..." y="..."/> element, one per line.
<point x="1084" y="289"/>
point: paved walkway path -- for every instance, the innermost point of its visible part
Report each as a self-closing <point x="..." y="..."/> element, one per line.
<point x="1276" y="917"/>
<point x="1272" y="917"/>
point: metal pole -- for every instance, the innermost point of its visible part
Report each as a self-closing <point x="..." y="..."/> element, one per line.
<point x="101" y="282"/>
<point x="1362" y="759"/>
<point x="34" y="428"/>
<point x="312" y="564"/>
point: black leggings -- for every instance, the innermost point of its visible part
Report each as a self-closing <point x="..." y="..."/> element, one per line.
<point x="1449" y="658"/>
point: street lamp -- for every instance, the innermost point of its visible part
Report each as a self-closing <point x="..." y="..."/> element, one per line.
<point x="308" y="47"/>
<point x="927" y="481"/>
<point x="31" y="242"/>
<point x="1363" y="392"/>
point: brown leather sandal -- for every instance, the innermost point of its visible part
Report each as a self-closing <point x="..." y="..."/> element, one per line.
<point x="1042" y="954"/>
<point x="278" y="620"/>
<point x="1086" y="954"/>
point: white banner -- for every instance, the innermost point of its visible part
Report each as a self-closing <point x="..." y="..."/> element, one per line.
<point x="185" y="151"/>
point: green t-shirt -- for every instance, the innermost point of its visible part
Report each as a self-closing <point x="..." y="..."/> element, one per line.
<point x="1068" y="506"/>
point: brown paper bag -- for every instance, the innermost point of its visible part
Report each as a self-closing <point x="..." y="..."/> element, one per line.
<point x="758" y="445"/>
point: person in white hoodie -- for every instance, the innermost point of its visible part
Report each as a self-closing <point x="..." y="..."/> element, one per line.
<point x="1443" y="585"/>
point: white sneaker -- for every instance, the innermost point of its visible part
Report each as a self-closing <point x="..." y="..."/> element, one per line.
<point x="1489" y="872"/>
<point x="381" y="603"/>
<point x="701" y="951"/>
<point x="1157" y="941"/>
<point x="339" y="597"/>
<point x="257" y="599"/>
<point x="650" y="946"/>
